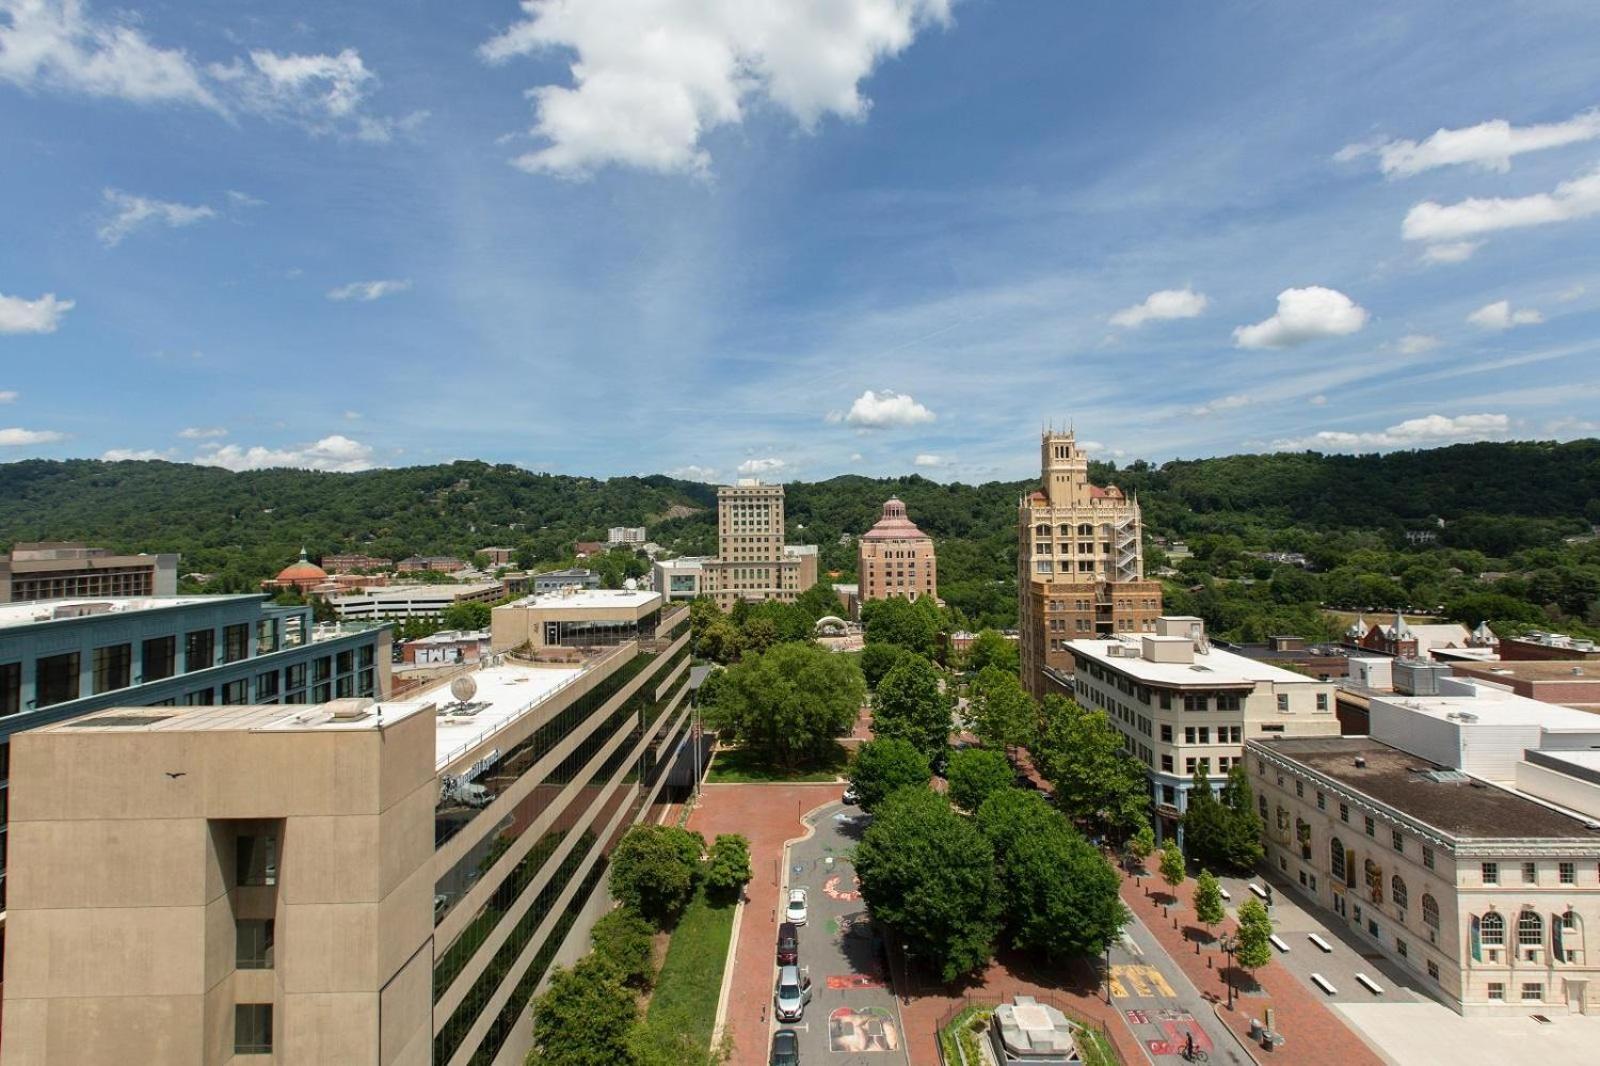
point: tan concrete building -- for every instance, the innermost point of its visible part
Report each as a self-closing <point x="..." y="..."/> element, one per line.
<point x="64" y="570"/>
<point x="355" y="882"/>
<point x="895" y="558"/>
<point x="1182" y="705"/>
<point x="1080" y="563"/>
<point x="752" y="561"/>
<point x="574" y="618"/>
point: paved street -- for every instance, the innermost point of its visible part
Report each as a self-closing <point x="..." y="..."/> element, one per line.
<point x="1160" y="1003"/>
<point x="853" y="1018"/>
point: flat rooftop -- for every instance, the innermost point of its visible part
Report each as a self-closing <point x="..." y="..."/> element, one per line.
<point x="504" y="694"/>
<point x="33" y="612"/>
<point x="1459" y="806"/>
<point x="402" y="593"/>
<point x="586" y="598"/>
<point x="1210" y="668"/>
<point x="1531" y="670"/>
<point x="1494" y="706"/>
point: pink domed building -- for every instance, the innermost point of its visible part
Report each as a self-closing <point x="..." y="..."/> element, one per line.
<point x="895" y="558"/>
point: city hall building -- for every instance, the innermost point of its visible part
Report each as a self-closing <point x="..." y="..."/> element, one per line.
<point x="351" y="881"/>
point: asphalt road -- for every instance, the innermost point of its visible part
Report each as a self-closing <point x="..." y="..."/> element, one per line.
<point x="1160" y="1003"/>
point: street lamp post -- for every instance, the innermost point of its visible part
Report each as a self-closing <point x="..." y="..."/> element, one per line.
<point x="1230" y="944"/>
<point x="1108" y="974"/>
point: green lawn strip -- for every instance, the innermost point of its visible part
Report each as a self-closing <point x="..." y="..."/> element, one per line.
<point x="739" y="766"/>
<point x="686" y="992"/>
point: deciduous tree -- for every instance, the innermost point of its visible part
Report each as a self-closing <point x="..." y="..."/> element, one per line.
<point x="1172" y="868"/>
<point x="877" y="660"/>
<point x="1208" y="900"/>
<point x="584" y="1017"/>
<point x="790" y="703"/>
<point x="911" y="704"/>
<point x="728" y="868"/>
<point x="976" y="773"/>
<point x="623" y="938"/>
<point x="1254" y="937"/>
<point x="1003" y="714"/>
<point x="882" y="767"/>
<point x="993" y="648"/>
<point x="1097" y="782"/>
<point x="654" y="869"/>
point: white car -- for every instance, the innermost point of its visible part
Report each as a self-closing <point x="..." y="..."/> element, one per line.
<point x="796" y="910"/>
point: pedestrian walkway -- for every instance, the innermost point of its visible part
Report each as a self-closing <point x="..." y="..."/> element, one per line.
<point x="767" y="815"/>
<point x="1314" y="1035"/>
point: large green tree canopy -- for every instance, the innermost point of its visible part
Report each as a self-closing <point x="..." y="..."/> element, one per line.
<point x="790" y="702"/>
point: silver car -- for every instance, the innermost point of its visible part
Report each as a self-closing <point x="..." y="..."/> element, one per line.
<point x="794" y="992"/>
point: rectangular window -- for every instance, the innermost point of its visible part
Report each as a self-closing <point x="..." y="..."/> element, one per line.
<point x="1497" y="991"/>
<point x="1283" y="703"/>
<point x="266" y="686"/>
<point x="1166" y="734"/>
<point x="236" y="691"/>
<point x="199" y="650"/>
<point x="1166" y="701"/>
<point x="113" y="668"/>
<point x="1322" y="701"/>
<point x="1491" y="873"/>
<point x="255" y="860"/>
<point x="253" y="937"/>
<point x="322" y="694"/>
<point x="1568" y="873"/>
<point x="1401" y="948"/>
<point x="294" y="677"/>
<point x="1397" y="840"/>
<point x="1322" y="802"/>
<point x="322" y="669"/>
<point x="252" y="1029"/>
<point x="1228" y="701"/>
<point x="158" y="659"/>
<point x="1372" y="826"/>
<point x="55" y="679"/>
<point x="366" y="655"/>
<point x="1344" y="812"/>
<point x="1300" y="788"/>
<point x="1188" y="734"/>
<point x="10" y="688"/>
<point x="1433" y="970"/>
<point x="235" y="642"/>
<point x="1194" y="703"/>
<point x="1532" y="992"/>
<point x="204" y="697"/>
<point x="1530" y="873"/>
<point x="1427" y="857"/>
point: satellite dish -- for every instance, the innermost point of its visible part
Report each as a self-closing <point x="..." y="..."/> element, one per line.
<point x="463" y="689"/>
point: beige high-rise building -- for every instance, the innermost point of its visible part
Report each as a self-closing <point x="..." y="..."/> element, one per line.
<point x="752" y="561"/>
<point x="61" y="570"/>
<point x="347" y="883"/>
<point x="1080" y="566"/>
<point x="895" y="558"/>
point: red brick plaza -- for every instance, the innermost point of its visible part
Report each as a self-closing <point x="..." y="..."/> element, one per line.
<point x="1313" y="1034"/>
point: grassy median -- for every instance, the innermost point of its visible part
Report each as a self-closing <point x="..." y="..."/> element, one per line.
<point x="685" y="997"/>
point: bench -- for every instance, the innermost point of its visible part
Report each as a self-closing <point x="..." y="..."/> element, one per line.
<point x="1258" y="890"/>
<point x="1278" y="943"/>
<point x="1224" y="892"/>
<point x="1324" y="984"/>
<point x="1372" y="986"/>
<point x="1321" y="943"/>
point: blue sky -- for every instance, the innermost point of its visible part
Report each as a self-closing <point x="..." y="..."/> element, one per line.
<point x="709" y="237"/>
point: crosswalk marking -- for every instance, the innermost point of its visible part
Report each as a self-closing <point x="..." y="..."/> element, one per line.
<point x="1145" y="981"/>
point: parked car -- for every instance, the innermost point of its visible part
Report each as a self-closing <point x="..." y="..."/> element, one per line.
<point x="788" y="944"/>
<point x="785" y="1048"/>
<point x="796" y="910"/>
<point x="794" y="992"/>
<point x="851" y="797"/>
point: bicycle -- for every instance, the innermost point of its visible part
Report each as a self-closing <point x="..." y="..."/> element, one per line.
<point x="1194" y="1055"/>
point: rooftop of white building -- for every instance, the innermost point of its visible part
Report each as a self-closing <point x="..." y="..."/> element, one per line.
<point x="33" y="612"/>
<point x="1210" y="666"/>
<point x="406" y="593"/>
<point x="581" y="599"/>
<point x="1496" y="706"/>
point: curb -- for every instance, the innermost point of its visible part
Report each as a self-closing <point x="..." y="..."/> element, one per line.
<point x="721" y="1022"/>
<point x="1244" y="1046"/>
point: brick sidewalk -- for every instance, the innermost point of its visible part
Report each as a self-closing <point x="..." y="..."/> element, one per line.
<point x="1313" y="1034"/>
<point x="767" y="815"/>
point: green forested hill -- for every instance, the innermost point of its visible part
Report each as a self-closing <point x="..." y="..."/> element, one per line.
<point x="1499" y="502"/>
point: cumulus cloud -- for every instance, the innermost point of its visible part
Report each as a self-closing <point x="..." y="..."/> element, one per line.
<point x="1412" y="433"/>
<point x="752" y="467"/>
<point x="1319" y="400"/>
<point x="64" y="46"/>
<point x="202" y="432"/>
<point x="1417" y="343"/>
<point x="647" y="99"/>
<point x="43" y="315"/>
<point x="1452" y="252"/>
<point x="15" y="437"/>
<point x="335" y="452"/>
<point x="1500" y="316"/>
<point x="927" y="459"/>
<point x="125" y="455"/>
<point x="1304" y="315"/>
<point x="1160" y="306"/>
<point x="127" y="213"/>
<point x="883" y="410"/>
<point x="1222" y="403"/>
<point x="366" y="291"/>
<point x="8" y="395"/>
<point x="693" y="473"/>
<point x="1488" y="145"/>
<point x="855" y="457"/>
<point x="1570" y="201"/>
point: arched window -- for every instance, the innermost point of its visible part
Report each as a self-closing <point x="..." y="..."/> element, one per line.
<point x="1492" y="930"/>
<point x="1336" y="850"/>
<point x="1530" y="929"/>
<point x="1397" y="889"/>
<point x="1430" y="911"/>
<point x="1042" y="529"/>
<point x="1085" y="530"/>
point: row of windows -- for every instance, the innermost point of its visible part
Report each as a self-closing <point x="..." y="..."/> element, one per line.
<point x="1566" y="872"/>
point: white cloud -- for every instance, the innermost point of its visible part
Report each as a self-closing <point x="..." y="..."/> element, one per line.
<point x="32" y="316"/>
<point x="352" y="416"/>
<point x="244" y="199"/>
<point x="202" y="432"/>
<point x="1489" y="145"/>
<point x="1417" y="343"/>
<point x="1571" y="200"/>
<point x="1570" y="293"/>
<point x="855" y="457"/>
<point x="1499" y="315"/>
<point x="926" y="459"/>
<point x="8" y="395"/>
<point x="124" y="455"/>
<point x="883" y="410"/>
<point x="646" y="97"/>
<point x="129" y="212"/>
<point x="1304" y="315"/>
<point x="1412" y="433"/>
<point x="367" y="291"/>
<point x="1222" y="403"/>
<point x="1162" y="305"/>
<point x="1319" y="400"/>
<point x="20" y="438"/>
<point x="1453" y="252"/>
<point x="62" y="45"/>
<point x="693" y="473"/>
<point x="752" y="467"/>
<point x="336" y="452"/>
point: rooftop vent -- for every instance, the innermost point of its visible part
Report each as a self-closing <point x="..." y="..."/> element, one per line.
<point x="350" y="710"/>
<point x="1444" y="777"/>
<point x="1361" y="762"/>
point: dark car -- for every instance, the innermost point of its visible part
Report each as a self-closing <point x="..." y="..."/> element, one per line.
<point x="788" y="944"/>
<point x="785" y="1048"/>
